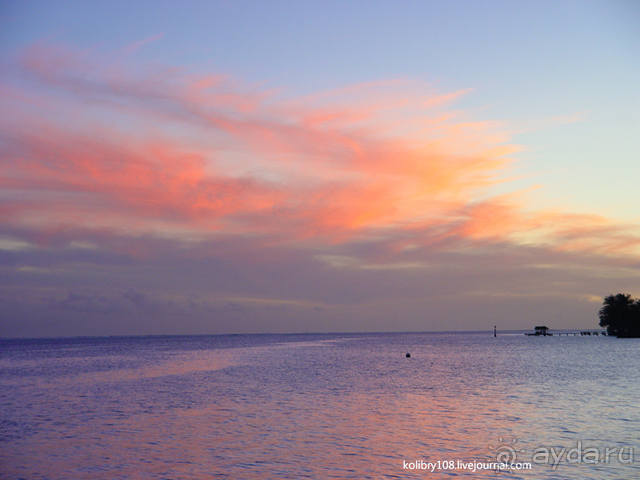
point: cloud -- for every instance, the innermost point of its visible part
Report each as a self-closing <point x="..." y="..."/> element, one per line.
<point x="224" y="286"/>
<point x="444" y="99"/>
<point x="203" y="154"/>
<point x="507" y="218"/>
<point x="229" y="158"/>
<point x="135" y="46"/>
<point x="197" y="203"/>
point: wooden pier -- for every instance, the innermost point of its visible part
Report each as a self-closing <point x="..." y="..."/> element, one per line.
<point x="546" y="332"/>
<point x="582" y="333"/>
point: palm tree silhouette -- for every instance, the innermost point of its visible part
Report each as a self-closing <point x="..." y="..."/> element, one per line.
<point x="620" y="313"/>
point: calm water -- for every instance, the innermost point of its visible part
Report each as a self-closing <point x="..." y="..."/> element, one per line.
<point x="317" y="406"/>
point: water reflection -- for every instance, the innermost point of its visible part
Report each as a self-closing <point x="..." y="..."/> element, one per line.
<point x="344" y="408"/>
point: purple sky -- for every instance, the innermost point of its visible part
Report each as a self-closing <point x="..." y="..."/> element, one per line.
<point x="230" y="167"/>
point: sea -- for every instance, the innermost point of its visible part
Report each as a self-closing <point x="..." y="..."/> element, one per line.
<point x="321" y="406"/>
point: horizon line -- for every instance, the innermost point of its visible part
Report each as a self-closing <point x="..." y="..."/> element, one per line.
<point x="378" y="332"/>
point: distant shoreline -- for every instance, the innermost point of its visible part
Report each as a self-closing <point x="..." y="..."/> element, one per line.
<point x="186" y="335"/>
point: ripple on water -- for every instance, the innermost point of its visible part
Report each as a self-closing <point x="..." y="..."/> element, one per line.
<point x="312" y="406"/>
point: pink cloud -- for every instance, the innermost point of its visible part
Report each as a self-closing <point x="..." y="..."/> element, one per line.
<point x="118" y="145"/>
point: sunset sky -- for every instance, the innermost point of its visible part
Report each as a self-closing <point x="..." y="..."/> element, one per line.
<point x="232" y="167"/>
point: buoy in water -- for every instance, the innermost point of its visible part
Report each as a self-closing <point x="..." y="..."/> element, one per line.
<point x="408" y="355"/>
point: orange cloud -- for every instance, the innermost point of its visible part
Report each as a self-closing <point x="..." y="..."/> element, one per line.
<point x="506" y="218"/>
<point x="118" y="145"/>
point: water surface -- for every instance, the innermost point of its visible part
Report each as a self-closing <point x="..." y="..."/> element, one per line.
<point x="316" y="406"/>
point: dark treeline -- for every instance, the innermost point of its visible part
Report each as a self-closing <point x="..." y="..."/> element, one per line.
<point x="620" y="313"/>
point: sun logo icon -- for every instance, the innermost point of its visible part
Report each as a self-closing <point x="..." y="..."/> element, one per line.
<point x="505" y="452"/>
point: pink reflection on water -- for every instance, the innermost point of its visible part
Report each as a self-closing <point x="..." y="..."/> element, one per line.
<point x="263" y="412"/>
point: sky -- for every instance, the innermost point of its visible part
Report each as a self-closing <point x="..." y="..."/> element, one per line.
<point x="247" y="167"/>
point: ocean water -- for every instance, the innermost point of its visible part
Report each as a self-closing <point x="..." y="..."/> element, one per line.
<point x="320" y="406"/>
